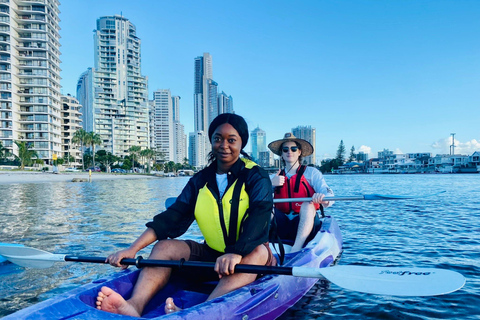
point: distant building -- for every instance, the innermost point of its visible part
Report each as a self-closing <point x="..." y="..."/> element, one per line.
<point x="151" y="124"/>
<point x="202" y="79"/>
<point x="163" y="124"/>
<point x="30" y="98"/>
<point x="225" y="103"/>
<point x="197" y="150"/>
<point x="309" y="134"/>
<point x="71" y="122"/>
<point x="179" y="137"/>
<point x="114" y="93"/>
<point x="265" y="159"/>
<point x="180" y="142"/>
<point x="361" y="156"/>
<point x="258" y="139"/>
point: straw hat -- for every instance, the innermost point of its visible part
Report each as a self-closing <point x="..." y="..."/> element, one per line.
<point x="305" y="146"/>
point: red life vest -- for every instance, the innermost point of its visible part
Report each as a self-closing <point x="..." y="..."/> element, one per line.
<point x="295" y="187"/>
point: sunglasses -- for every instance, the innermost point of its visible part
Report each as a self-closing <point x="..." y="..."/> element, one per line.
<point x="285" y="149"/>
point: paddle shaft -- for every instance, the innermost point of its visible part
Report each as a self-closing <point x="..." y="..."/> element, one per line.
<point x="324" y="199"/>
<point x="179" y="264"/>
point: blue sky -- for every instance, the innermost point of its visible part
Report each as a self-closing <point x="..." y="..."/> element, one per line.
<point x="401" y="75"/>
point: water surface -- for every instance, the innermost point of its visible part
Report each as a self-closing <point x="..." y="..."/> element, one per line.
<point x="104" y="216"/>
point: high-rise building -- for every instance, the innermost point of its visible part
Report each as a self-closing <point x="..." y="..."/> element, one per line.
<point x="265" y="159"/>
<point x="180" y="142"/>
<point x="259" y="142"/>
<point x="212" y="94"/>
<point x="85" y="95"/>
<point x="151" y="124"/>
<point x="197" y="154"/>
<point x="202" y="76"/>
<point x="307" y="133"/>
<point x="179" y="137"/>
<point x="204" y="99"/>
<point x="208" y="104"/>
<point x="225" y="103"/>
<point x="163" y="124"/>
<point x="71" y="122"/>
<point x="115" y="94"/>
<point x="176" y="108"/>
<point x="30" y="100"/>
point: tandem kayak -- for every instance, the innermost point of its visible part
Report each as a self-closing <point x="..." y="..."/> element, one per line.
<point x="266" y="298"/>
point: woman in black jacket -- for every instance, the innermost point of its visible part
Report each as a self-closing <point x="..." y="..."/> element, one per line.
<point x="231" y="201"/>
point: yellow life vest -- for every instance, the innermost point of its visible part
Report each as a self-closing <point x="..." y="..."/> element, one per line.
<point x="214" y="220"/>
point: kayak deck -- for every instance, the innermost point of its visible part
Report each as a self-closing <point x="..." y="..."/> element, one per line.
<point x="266" y="298"/>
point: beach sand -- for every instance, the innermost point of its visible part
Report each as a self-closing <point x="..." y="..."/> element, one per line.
<point x="12" y="177"/>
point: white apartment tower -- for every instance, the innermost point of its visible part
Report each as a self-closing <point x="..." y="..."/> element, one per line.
<point x="118" y="93"/>
<point x="163" y="124"/>
<point x="197" y="142"/>
<point x="179" y="137"/>
<point x="225" y="103"/>
<point x="71" y="122"/>
<point x="30" y="105"/>
<point x="307" y="133"/>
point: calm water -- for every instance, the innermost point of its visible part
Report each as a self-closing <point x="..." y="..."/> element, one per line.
<point x="103" y="216"/>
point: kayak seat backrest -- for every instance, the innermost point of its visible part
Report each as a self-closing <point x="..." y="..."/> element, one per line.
<point x="170" y="201"/>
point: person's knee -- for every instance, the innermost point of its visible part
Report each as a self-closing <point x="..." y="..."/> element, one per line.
<point x="170" y="250"/>
<point x="307" y="209"/>
<point x="259" y="255"/>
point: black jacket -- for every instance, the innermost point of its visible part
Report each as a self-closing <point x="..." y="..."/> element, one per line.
<point x="175" y="221"/>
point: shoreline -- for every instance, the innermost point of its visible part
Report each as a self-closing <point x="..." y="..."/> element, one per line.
<point x="16" y="177"/>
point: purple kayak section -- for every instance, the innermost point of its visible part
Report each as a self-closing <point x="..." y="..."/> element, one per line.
<point x="266" y="298"/>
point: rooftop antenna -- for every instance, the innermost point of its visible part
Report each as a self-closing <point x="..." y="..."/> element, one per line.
<point x="452" y="146"/>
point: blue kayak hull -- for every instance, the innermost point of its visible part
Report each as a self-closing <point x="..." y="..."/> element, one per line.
<point x="266" y="298"/>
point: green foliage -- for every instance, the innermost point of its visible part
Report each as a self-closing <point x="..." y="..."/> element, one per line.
<point x="134" y="151"/>
<point x="93" y="139"/>
<point x="80" y="138"/>
<point x="127" y="164"/>
<point x="328" y="165"/>
<point x="352" y="157"/>
<point x="3" y="151"/>
<point x="25" y="153"/>
<point x="106" y="158"/>
<point x="340" y="158"/>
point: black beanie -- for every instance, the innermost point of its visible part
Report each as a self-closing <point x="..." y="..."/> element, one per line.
<point x="235" y="121"/>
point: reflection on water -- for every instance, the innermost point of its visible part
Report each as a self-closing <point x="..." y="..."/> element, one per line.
<point x="103" y="216"/>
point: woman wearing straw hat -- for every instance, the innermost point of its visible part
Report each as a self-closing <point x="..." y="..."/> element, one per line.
<point x="297" y="222"/>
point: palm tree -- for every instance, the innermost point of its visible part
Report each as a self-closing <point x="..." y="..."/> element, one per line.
<point x="3" y="151"/>
<point x="80" y="137"/>
<point x="93" y="139"/>
<point x="134" y="150"/>
<point x="149" y="154"/>
<point x="25" y="154"/>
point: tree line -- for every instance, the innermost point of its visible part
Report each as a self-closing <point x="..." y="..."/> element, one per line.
<point x="87" y="141"/>
<point x="329" y="165"/>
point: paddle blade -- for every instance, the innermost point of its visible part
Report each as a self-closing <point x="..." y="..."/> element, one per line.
<point x="395" y="281"/>
<point x="29" y="257"/>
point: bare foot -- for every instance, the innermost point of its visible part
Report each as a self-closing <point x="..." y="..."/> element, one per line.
<point x="170" y="306"/>
<point x="110" y="301"/>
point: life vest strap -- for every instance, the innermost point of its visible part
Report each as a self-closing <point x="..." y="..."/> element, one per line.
<point x="234" y="211"/>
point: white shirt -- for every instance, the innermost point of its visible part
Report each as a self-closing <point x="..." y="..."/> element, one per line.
<point x="222" y="183"/>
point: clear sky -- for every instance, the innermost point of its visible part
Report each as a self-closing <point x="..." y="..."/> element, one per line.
<point x="401" y="75"/>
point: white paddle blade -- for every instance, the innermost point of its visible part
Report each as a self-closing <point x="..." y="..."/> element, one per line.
<point x="30" y="257"/>
<point x="395" y="281"/>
